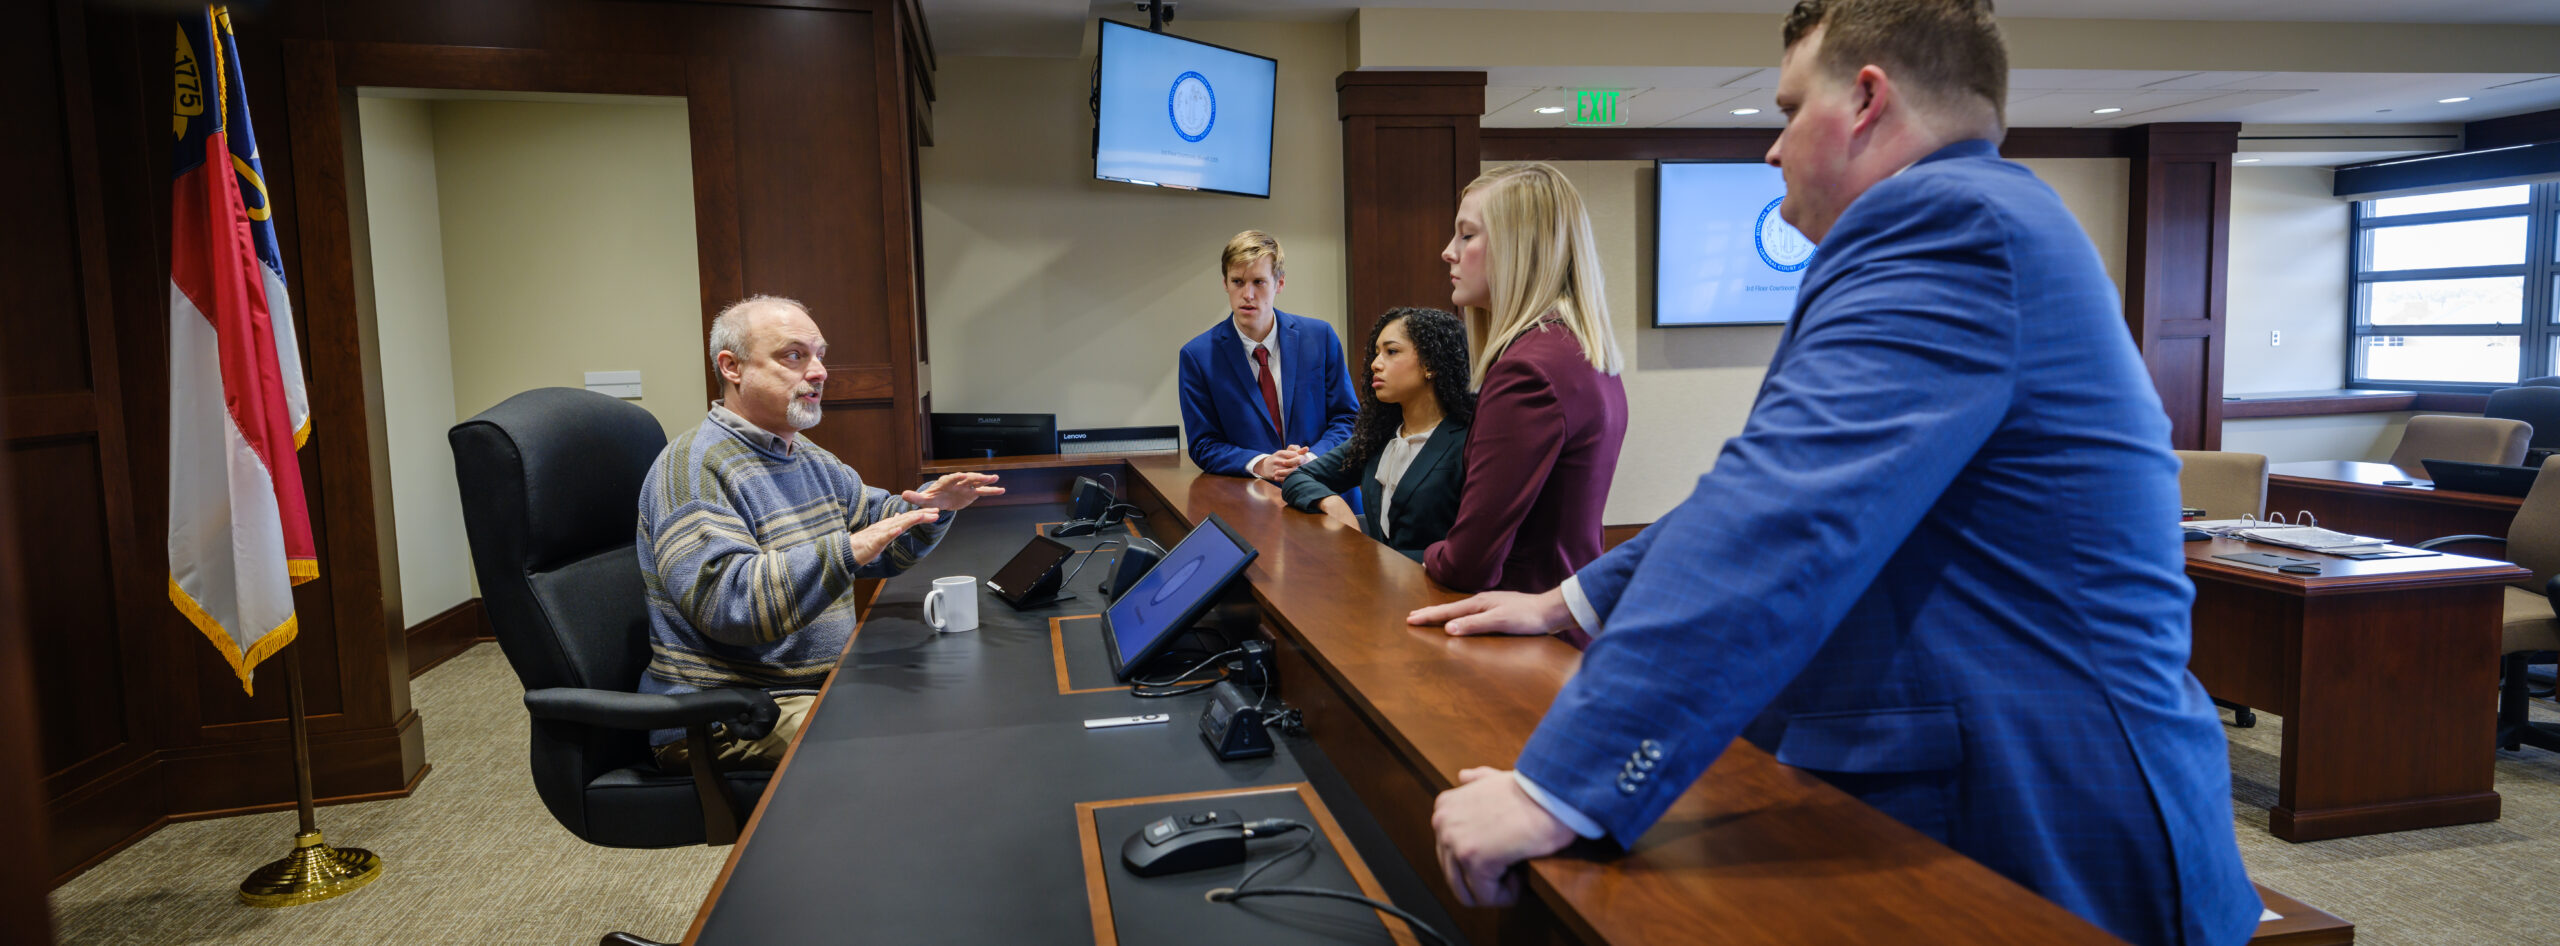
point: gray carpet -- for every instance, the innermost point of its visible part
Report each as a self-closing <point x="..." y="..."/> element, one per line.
<point x="470" y="859"/>
<point x="473" y="859"/>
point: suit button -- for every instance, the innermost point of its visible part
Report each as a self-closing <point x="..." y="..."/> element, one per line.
<point x="1626" y="787"/>
<point x="1635" y="776"/>
<point x="1644" y="765"/>
<point x="1650" y="749"/>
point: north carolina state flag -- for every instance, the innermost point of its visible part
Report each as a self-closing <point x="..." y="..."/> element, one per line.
<point x="239" y="532"/>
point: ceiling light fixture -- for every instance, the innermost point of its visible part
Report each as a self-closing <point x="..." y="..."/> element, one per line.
<point x="1551" y="110"/>
<point x="2109" y="110"/>
<point x="1746" y="111"/>
<point x="2245" y="160"/>
<point x="2455" y="99"/>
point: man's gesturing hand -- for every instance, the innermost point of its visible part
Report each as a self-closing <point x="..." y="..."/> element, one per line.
<point x="1486" y="825"/>
<point x="1499" y="612"/>
<point x="954" y="491"/>
<point x="868" y="543"/>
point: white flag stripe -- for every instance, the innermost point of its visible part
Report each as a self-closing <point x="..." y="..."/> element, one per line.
<point x="226" y="537"/>
<point x="297" y="401"/>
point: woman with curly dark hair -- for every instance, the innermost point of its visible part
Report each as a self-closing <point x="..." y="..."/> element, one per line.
<point x="1408" y="446"/>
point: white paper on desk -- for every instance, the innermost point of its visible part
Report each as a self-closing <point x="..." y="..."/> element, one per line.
<point x="2312" y="539"/>
<point x="2268" y="916"/>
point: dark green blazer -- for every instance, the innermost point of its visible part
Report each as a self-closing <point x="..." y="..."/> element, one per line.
<point x="1426" y="498"/>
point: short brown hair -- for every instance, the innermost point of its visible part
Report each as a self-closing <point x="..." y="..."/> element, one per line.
<point x="1248" y="246"/>
<point x="1945" y="49"/>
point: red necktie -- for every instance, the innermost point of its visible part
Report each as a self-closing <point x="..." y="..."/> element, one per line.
<point x="1270" y="391"/>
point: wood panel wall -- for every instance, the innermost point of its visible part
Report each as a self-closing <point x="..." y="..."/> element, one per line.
<point x="1408" y="144"/>
<point x="802" y="114"/>
<point x="2177" y="257"/>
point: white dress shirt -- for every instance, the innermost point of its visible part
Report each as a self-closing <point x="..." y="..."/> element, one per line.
<point x="1392" y="461"/>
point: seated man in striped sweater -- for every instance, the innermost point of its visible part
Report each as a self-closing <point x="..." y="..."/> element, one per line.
<point x="750" y="538"/>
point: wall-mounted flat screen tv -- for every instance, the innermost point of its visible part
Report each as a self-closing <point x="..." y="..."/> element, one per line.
<point x="1173" y="112"/>
<point x="1722" y="256"/>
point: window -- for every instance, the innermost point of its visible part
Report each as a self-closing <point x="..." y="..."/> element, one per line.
<point x="2456" y="291"/>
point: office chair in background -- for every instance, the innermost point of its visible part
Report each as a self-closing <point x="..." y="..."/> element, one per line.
<point x="2538" y="405"/>
<point x="550" y="484"/>
<point x="2531" y="629"/>
<point x="2469" y="439"/>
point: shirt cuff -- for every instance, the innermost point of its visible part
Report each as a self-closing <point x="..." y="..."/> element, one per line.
<point x="1250" y="465"/>
<point x="1580" y="606"/>
<point x="1580" y="823"/>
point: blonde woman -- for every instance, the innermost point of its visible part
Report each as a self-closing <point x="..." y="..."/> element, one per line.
<point x="1550" y="409"/>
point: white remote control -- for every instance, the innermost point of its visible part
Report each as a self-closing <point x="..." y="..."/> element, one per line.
<point x="1125" y="721"/>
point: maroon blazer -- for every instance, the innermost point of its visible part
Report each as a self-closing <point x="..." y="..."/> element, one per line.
<point x="1539" y="458"/>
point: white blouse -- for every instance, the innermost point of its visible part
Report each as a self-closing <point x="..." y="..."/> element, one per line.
<point x="1392" y="461"/>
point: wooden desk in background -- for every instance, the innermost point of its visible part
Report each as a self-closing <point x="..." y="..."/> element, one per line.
<point x="2351" y="496"/>
<point x="2384" y="672"/>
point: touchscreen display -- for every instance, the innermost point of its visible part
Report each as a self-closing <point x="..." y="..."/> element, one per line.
<point x="1035" y="560"/>
<point x="1174" y="592"/>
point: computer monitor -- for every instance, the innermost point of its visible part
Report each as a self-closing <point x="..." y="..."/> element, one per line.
<point x="1180" y="113"/>
<point x="1152" y="613"/>
<point x="973" y="436"/>
<point x="1722" y="255"/>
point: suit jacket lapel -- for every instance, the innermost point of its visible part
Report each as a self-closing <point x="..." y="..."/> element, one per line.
<point x="1294" y="372"/>
<point x="1425" y="465"/>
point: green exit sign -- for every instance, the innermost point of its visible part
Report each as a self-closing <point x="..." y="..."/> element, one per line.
<point x="1597" y="107"/>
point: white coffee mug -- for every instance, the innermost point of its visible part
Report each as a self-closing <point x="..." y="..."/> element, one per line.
<point x="952" y="605"/>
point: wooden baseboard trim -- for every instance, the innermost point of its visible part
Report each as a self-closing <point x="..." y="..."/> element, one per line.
<point x="437" y="639"/>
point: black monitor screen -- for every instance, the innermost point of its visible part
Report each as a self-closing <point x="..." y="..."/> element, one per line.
<point x="966" y="436"/>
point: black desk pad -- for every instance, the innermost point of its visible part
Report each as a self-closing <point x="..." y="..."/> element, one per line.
<point x="1171" y="910"/>
<point x="932" y="797"/>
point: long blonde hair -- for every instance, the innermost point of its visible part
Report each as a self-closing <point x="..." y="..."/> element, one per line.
<point x="1539" y="258"/>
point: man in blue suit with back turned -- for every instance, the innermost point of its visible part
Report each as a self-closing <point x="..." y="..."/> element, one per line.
<point x="1263" y="390"/>
<point x="1940" y="567"/>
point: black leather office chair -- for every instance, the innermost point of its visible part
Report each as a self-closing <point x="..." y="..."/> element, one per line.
<point x="2529" y="628"/>
<point x="2538" y="405"/>
<point x="550" y="484"/>
<point x="2546" y="381"/>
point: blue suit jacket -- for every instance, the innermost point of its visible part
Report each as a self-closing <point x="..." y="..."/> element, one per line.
<point x="1223" y="420"/>
<point x="1940" y="568"/>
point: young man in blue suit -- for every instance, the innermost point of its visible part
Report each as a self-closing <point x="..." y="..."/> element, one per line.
<point x="1940" y="567"/>
<point x="1263" y="391"/>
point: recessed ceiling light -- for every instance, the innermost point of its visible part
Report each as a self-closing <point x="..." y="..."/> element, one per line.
<point x="2109" y="110"/>
<point x="2245" y="160"/>
<point x="2458" y="98"/>
<point x="1551" y="110"/>
<point x="1746" y="111"/>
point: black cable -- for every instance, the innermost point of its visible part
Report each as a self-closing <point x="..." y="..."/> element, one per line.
<point x="1422" y="929"/>
<point x="1088" y="558"/>
<point x="1179" y="677"/>
<point x="1266" y="828"/>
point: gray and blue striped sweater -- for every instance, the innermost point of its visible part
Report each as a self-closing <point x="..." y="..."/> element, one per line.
<point x="746" y="548"/>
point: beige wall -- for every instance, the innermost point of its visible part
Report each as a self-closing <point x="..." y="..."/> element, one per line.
<point x="1689" y="389"/>
<point x="417" y="359"/>
<point x="2288" y="274"/>
<point x="1049" y="291"/>
<point x="568" y="248"/>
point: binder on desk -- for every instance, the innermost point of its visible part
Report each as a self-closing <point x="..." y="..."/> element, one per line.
<point x="2306" y="534"/>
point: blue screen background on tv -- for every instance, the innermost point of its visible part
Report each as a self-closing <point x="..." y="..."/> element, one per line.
<point x="1160" y="91"/>
<point x="1722" y="255"/>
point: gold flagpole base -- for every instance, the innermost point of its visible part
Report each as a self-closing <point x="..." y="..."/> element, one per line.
<point x="312" y="873"/>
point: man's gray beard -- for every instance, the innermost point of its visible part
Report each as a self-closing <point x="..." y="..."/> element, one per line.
<point x="802" y="415"/>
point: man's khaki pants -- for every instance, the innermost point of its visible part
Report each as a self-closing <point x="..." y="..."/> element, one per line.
<point x="732" y="753"/>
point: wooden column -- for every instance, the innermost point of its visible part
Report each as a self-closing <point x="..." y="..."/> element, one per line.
<point x="1408" y="145"/>
<point x="2177" y="256"/>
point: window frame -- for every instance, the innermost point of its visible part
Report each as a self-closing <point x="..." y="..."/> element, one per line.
<point x="2538" y="327"/>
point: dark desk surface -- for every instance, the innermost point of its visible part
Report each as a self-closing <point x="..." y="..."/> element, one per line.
<point x="2376" y="477"/>
<point x="932" y="794"/>
<point x="1756" y="852"/>
<point x="2344" y="575"/>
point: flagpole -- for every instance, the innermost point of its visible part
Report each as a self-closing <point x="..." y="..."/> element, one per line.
<point x="314" y="871"/>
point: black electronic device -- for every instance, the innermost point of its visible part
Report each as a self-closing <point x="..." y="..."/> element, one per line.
<point x="1153" y="611"/>
<point x="1136" y="556"/>
<point x="1093" y="510"/>
<point x="2196" y="535"/>
<point x="1232" y="723"/>
<point x="1255" y="668"/>
<point x="2492" y="478"/>
<point x="1032" y="578"/>
<point x="977" y="436"/>
<point x="1195" y="841"/>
